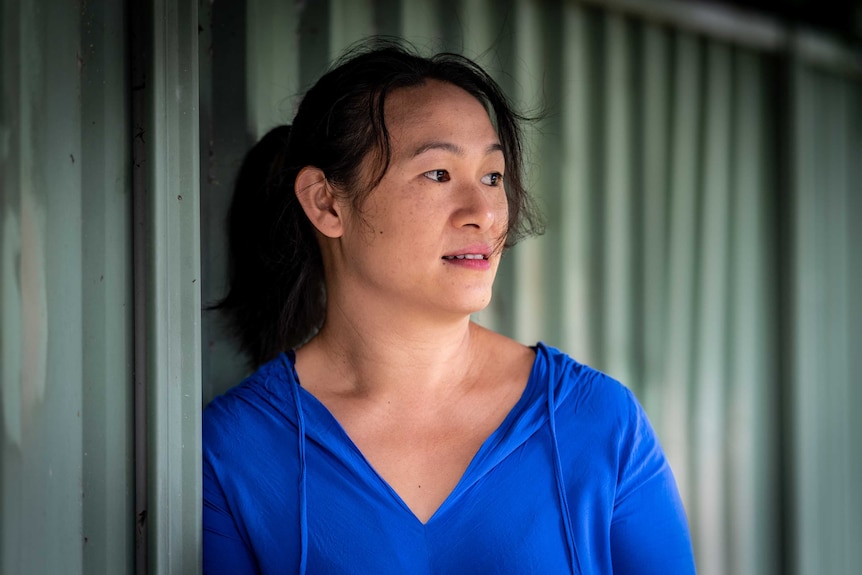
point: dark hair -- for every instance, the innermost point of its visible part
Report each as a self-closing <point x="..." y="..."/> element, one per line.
<point x="277" y="299"/>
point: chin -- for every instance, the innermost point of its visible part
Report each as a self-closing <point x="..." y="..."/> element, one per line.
<point x="473" y="305"/>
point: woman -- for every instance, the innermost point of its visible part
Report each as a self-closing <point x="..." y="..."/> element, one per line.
<point x="383" y="431"/>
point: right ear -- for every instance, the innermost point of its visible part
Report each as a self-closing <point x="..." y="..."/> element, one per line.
<point x="319" y="203"/>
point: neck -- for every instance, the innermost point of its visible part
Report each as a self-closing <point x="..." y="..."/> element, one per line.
<point x="387" y="351"/>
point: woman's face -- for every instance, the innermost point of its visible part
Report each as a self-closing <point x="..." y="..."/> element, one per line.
<point x="427" y="239"/>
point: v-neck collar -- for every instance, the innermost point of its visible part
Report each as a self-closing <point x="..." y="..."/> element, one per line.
<point x="527" y="416"/>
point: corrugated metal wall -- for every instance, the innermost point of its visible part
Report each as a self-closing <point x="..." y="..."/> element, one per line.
<point x="100" y="299"/>
<point x="66" y="472"/>
<point x="167" y="252"/>
<point x="824" y="364"/>
<point x="701" y="173"/>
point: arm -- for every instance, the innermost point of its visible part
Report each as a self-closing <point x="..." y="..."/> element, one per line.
<point x="649" y="531"/>
<point x="224" y="550"/>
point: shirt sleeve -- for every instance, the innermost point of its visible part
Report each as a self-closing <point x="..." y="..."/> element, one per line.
<point x="649" y="530"/>
<point x="224" y="550"/>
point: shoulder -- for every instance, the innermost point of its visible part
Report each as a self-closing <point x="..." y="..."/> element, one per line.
<point x="241" y="431"/>
<point x="579" y="387"/>
<point x="597" y="414"/>
<point x="248" y="408"/>
<point x="249" y="436"/>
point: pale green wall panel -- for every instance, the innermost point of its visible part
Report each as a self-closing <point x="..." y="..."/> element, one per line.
<point x="271" y="46"/>
<point x="350" y="22"/>
<point x="249" y="51"/>
<point x="708" y="410"/>
<point x="752" y="461"/>
<point x="107" y="279"/>
<point x="169" y="181"/>
<point x="619" y="231"/>
<point x="576" y="311"/>
<point x="806" y="367"/>
<point x="655" y="113"/>
<point x="480" y="31"/>
<point x="825" y="254"/>
<point x="529" y="258"/>
<point x="679" y="351"/>
<point x="853" y="498"/>
<point x="433" y="25"/>
<point x="42" y="503"/>
<point x="836" y="443"/>
<point x="66" y="382"/>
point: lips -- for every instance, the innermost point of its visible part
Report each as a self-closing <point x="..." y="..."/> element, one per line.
<point x="471" y="252"/>
<point x="466" y="257"/>
<point x="475" y="257"/>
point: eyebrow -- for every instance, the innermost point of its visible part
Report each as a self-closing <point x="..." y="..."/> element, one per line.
<point x="453" y="148"/>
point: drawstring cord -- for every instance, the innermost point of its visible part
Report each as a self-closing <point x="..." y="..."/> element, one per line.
<point x="303" y="523"/>
<point x="561" y="489"/>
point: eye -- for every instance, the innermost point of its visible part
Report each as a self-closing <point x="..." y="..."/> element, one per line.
<point x="438" y="175"/>
<point x="493" y="179"/>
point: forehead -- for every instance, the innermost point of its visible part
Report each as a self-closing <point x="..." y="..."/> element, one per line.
<point x="437" y="109"/>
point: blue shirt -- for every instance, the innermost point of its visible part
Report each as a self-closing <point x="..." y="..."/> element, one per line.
<point x="572" y="481"/>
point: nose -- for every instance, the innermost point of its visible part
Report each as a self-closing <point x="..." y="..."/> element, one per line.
<point x="480" y="206"/>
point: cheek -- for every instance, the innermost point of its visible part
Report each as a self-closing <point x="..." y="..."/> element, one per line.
<point x="503" y="212"/>
<point x="504" y="205"/>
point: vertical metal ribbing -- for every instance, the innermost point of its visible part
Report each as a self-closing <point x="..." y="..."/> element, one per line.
<point x="167" y="289"/>
<point x="139" y="50"/>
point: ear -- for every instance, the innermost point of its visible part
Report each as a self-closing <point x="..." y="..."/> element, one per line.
<point x="319" y="203"/>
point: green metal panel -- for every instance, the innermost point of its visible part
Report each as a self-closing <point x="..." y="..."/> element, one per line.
<point x="234" y="58"/>
<point x="168" y="358"/>
<point x="852" y="497"/>
<point x="620" y="271"/>
<point x="751" y="376"/>
<point x="65" y="308"/>
<point x="709" y="416"/>
<point x="679" y="351"/>
<point x="271" y="45"/>
<point x="576" y="197"/>
<point x="43" y="385"/>
<point x="654" y="151"/>
<point x="825" y="256"/>
<point x="805" y="400"/>
<point x="528" y="259"/>
<point x="349" y="23"/>
<point x="107" y="279"/>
